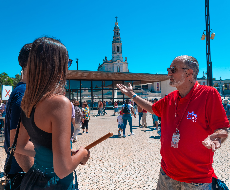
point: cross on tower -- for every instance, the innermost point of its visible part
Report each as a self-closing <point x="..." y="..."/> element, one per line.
<point x="116" y="18"/>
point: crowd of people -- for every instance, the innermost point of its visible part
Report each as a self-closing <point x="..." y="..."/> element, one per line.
<point x="193" y="122"/>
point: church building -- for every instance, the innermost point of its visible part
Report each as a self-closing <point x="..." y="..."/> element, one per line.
<point x="101" y="85"/>
<point x="116" y="64"/>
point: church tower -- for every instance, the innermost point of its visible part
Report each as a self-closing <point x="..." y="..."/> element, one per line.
<point x="116" y="64"/>
<point x="116" y="43"/>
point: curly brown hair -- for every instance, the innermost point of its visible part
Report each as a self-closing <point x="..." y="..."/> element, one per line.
<point x="46" y="72"/>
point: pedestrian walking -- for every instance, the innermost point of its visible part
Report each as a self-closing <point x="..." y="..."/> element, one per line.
<point x="140" y="113"/>
<point x="120" y="124"/>
<point x="46" y="120"/>
<point x="78" y="120"/>
<point x="72" y="121"/>
<point x="100" y="108"/>
<point x="86" y="117"/>
<point x="115" y="107"/>
<point x="155" y="118"/>
<point x="227" y="109"/>
<point x="3" y="108"/>
<point x="194" y="125"/>
<point x="104" y="104"/>
<point x="127" y="110"/>
<point x="144" y="123"/>
<point x="3" y="112"/>
<point x="1" y="120"/>
<point x="135" y="108"/>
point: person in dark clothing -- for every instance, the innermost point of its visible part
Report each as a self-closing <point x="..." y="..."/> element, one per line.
<point x="13" y="111"/>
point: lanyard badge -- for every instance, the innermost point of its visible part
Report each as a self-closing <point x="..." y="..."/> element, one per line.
<point x="175" y="139"/>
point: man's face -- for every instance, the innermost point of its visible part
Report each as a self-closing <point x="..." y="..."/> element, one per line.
<point x="225" y="102"/>
<point x="177" y="73"/>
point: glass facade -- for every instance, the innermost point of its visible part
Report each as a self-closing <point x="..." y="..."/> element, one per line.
<point x="91" y="91"/>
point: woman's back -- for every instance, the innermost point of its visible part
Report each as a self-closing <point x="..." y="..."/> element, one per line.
<point x="47" y="119"/>
<point x="40" y="132"/>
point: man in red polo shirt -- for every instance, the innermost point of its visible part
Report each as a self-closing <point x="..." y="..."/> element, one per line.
<point x="193" y="126"/>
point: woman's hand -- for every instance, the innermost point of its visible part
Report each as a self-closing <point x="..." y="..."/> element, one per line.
<point x="86" y="155"/>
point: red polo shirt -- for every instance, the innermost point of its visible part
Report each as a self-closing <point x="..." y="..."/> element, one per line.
<point x="191" y="161"/>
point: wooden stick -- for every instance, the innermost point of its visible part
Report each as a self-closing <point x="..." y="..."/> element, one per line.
<point x="98" y="141"/>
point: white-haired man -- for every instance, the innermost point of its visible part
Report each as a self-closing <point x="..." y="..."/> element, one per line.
<point x="193" y="126"/>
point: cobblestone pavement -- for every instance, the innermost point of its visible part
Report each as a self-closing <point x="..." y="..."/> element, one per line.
<point x="127" y="163"/>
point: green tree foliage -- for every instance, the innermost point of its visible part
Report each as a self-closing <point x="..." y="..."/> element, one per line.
<point x="16" y="80"/>
<point x="6" y="80"/>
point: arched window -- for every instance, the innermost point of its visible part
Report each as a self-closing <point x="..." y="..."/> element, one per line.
<point x="118" y="68"/>
<point x="117" y="48"/>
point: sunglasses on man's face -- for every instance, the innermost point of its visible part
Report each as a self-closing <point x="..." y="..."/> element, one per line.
<point x="174" y="69"/>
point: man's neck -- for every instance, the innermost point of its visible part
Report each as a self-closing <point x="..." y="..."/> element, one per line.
<point x="185" y="88"/>
<point x="23" y="79"/>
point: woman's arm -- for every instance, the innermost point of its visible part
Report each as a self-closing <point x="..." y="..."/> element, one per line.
<point x="24" y="153"/>
<point x="63" y="162"/>
<point x="24" y="146"/>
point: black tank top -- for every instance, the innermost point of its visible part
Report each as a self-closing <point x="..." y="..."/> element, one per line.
<point x="37" y="135"/>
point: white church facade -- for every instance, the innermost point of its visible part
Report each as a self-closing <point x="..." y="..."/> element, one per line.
<point x="116" y="64"/>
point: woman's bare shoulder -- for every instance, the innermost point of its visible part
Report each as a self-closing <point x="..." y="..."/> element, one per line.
<point x="56" y="102"/>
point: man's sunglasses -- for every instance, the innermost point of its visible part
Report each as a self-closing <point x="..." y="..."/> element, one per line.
<point x="174" y="69"/>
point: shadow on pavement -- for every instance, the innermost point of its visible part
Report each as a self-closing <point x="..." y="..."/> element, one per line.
<point x="146" y="130"/>
<point x="115" y="137"/>
<point x="155" y="137"/>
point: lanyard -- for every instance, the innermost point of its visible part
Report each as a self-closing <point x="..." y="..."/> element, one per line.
<point x="178" y="124"/>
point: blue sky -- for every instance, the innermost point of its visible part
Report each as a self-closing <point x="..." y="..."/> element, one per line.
<point x="153" y="32"/>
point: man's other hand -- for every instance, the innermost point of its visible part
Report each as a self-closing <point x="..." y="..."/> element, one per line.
<point x="213" y="141"/>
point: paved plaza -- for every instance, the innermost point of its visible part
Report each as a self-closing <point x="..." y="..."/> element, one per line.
<point x="127" y="163"/>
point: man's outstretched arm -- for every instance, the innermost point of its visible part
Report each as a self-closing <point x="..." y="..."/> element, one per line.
<point x="128" y="91"/>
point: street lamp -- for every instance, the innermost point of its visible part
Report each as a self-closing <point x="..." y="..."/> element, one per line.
<point x="212" y="36"/>
<point x="203" y="36"/>
<point x="77" y="62"/>
<point x="207" y="36"/>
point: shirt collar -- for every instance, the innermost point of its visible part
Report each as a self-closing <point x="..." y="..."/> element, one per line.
<point x="189" y="94"/>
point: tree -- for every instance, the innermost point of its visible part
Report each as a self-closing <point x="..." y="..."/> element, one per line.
<point x="16" y="80"/>
<point x="6" y="80"/>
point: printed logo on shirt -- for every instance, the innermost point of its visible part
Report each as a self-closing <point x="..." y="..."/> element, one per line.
<point x="192" y="116"/>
